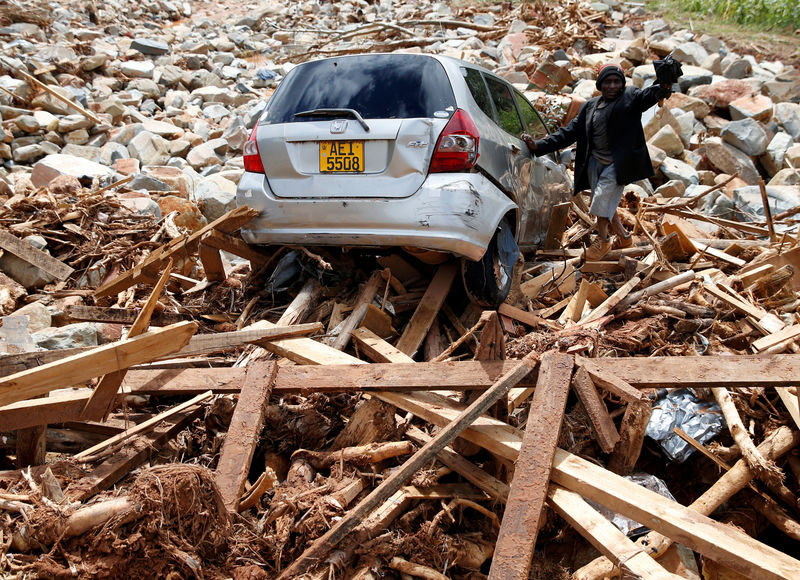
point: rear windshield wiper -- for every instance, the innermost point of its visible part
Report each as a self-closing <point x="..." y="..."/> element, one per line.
<point x="335" y="113"/>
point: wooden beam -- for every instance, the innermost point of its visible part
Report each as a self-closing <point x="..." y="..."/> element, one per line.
<point x="304" y="351"/>
<point x="612" y="301"/>
<point x="134" y="454"/>
<point x="57" y="408"/>
<point x="34" y="256"/>
<point x="631" y="437"/>
<point x="605" y="536"/>
<point x="427" y="309"/>
<point x="519" y="529"/>
<point x="556" y="227"/>
<point x="101" y="360"/>
<point x="242" y="436"/>
<point x="520" y="315"/>
<point x="360" y="307"/>
<point x="120" y="315"/>
<point x="399" y="476"/>
<point x="605" y="431"/>
<point x="699" y="533"/>
<point x="220" y="341"/>
<point x="610" y="382"/>
<point x="100" y="402"/>
<point x="235" y="246"/>
<point x="378" y="349"/>
<point x="211" y="260"/>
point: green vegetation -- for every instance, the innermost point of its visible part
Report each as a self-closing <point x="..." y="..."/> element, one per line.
<point x="759" y="13"/>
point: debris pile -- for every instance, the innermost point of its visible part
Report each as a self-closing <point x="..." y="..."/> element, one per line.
<point x="193" y="406"/>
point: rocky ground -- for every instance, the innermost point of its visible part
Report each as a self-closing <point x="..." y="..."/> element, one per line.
<point x="122" y="130"/>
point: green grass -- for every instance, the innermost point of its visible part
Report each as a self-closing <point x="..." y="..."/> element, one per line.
<point x="770" y="14"/>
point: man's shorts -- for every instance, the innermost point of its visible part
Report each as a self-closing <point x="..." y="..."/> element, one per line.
<point x="606" y="192"/>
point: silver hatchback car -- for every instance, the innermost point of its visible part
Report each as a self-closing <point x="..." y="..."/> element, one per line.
<point x="402" y="150"/>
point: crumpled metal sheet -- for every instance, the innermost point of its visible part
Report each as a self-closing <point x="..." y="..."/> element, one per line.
<point x="626" y="525"/>
<point x="702" y="420"/>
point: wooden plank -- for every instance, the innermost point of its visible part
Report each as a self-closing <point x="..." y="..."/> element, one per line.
<point x="577" y="303"/>
<point x="765" y="342"/>
<point x="520" y="315"/>
<point x="242" y="436"/>
<point x="57" y="408"/>
<point x="142" y="427"/>
<point x="612" y="301"/>
<point x="31" y="446"/>
<point x="15" y="363"/>
<point x="304" y="351"/>
<point x="236" y="246"/>
<point x="378" y="349"/>
<point x="101" y="360"/>
<point x="556" y="226"/>
<point x="718" y="254"/>
<point x="791" y="257"/>
<point x="521" y="518"/>
<point x="137" y="452"/>
<point x="684" y="525"/>
<point x="741" y="305"/>
<point x="605" y="536"/>
<point x="360" y="307"/>
<point x="792" y="403"/>
<point x="180" y="249"/>
<point x="611" y="382"/>
<point x="34" y="256"/>
<point x="631" y="437"/>
<point x="552" y="278"/>
<point x="120" y="315"/>
<point x="400" y="475"/>
<point x="427" y="309"/>
<point x="220" y="341"/>
<point x="99" y="403"/>
<point x="605" y="431"/>
<point x="212" y="263"/>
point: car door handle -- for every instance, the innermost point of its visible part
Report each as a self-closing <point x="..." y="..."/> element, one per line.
<point x="514" y="148"/>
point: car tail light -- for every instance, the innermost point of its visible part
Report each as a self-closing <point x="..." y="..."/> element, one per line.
<point x="252" y="158"/>
<point x="457" y="148"/>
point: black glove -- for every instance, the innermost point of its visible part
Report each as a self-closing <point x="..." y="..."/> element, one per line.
<point x="668" y="71"/>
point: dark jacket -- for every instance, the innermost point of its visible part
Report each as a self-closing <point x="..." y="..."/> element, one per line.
<point x="625" y="136"/>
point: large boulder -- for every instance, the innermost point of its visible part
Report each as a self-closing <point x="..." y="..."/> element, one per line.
<point x="59" y="164"/>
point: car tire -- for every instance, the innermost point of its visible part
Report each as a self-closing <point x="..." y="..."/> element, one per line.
<point x="488" y="281"/>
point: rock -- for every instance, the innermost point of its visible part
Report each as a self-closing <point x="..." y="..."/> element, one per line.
<point x="39" y="316"/>
<point x="782" y="91"/>
<point x="206" y="154"/>
<point x="720" y="94"/>
<point x="788" y="115"/>
<point x="189" y="216"/>
<point x="758" y="107"/>
<point x="126" y="166"/>
<point x="730" y="160"/>
<point x="27" y="123"/>
<point x="215" y="195"/>
<point x="73" y="123"/>
<point x="139" y="203"/>
<point x="149" y="46"/>
<point x="51" y="104"/>
<point x="781" y="198"/>
<point x="676" y="170"/>
<point x="793" y="156"/>
<point x="147" y="183"/>
<point x="672" y="188"/>
<point x="691" y="53"/>
<point x="148" y="148"/>
<point x="10" y="292"/>
<point x="93" y="62"/>
<point x="111" y="152"/>
<point x="60" y="164"/>
<point x="736" y="69"/>
<point x="746" y="135"/>
<point x="27" y="152"/>
<point x="162" y="129"/>
<point x="76" y="335"/>
<point x="65" y="185"/>
<point x="24" y="272"/>
<point x="668" y="141"/>
<point x="694" y="76"/>
<point x="137" y="69"/>
<point x="786" y="177"/>
<point x="176" y="179"/>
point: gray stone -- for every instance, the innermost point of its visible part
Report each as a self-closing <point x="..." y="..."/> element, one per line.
<point x="786" y="177"/>
<point x="39" y="316"/>
<point x="27" y="123"/>
<point x="668" y="141"/>
<point x="674" y="169"/>
<point x="207" y="153"/>
<point x="737" y="69"/>
<point x="747" y="135"/>
<point x="788" y="115"/>
<point x="59" y="164"/>
<point x="730" y="160"/>
<point x="140" y="204"/>
<point x="27" y="153"/>
<point x="112" y="151"/>
<point x="149" y="149"/>
<point x="148" y="87"/>
<point x="672" y="188"/>
<point x="215" y="195"/>
<point x="79" y="137"/>
<point x="162" y="129"/>
<point x="83" y="151"/>
<point x="137" y="68"/>
<point x="780" y="197"/>
<point x="93" y="62"/>
<point x="76" y="335"/>
<point x="215" y="112"/>
<point x="73" y="123"/>
<point x="694" y="76"/>
<point x="22" y="271"/>
<point x="147" y="183"/>
<point x="691" y="53"/>
<point x="149" y="46"/>
<point x="236" y="134"/>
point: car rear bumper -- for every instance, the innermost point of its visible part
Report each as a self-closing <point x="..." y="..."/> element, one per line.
<point x="451" y="212"/>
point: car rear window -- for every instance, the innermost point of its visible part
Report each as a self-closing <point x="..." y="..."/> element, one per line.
<point x="376" y="86"/>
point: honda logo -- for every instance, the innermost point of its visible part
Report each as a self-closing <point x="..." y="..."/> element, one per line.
<point x="338" y="126"/>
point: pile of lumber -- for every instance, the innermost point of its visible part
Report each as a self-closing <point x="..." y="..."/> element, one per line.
<point x="362" y="418"/>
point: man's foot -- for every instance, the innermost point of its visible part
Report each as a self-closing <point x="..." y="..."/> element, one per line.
<point x="598" y="249"/>
<point x="621" y="242"/>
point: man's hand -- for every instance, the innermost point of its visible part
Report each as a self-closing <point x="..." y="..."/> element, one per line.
<point x="529" y="141"/>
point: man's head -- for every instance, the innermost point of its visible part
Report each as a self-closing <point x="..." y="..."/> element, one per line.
<point x="610" y="81"/>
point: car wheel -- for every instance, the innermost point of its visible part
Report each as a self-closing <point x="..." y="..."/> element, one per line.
<point x="488" y="281"/>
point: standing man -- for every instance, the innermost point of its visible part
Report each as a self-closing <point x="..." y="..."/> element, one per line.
<point x="612" y="150"/>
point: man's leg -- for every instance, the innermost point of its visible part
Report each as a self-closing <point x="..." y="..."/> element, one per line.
<point x="623" y="236"/>
<point x="602" y="227"/>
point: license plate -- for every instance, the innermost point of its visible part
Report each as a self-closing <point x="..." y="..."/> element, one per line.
<point x="341" y="156"/>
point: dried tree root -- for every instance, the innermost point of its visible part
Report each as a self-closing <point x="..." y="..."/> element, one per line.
<point x="779" y="442"/>
<point x="763" y="468"/>
<point x="359" y="455"/>
<point x="418" y="570"/>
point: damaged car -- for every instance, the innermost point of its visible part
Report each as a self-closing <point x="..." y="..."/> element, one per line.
<point x="415" y="151"/>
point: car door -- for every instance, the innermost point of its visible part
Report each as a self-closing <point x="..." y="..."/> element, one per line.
<point x="543" y="182"/>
